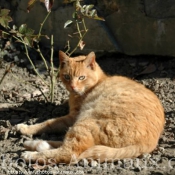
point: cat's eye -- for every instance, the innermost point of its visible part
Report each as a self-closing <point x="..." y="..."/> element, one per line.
<point x="81" y="78"/>
<point x="67" y="77"/>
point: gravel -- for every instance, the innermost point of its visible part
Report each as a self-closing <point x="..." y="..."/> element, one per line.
<point x="22" y="102"/>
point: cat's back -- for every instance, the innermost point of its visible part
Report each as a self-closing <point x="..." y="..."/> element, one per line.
<point x="118" y="95"/>
<point x="120" y="89"/>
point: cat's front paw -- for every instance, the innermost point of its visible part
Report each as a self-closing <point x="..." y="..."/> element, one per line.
<point x="29" y="156"/>
<point x="34" y="156"/>
<point x="22" y="129"/>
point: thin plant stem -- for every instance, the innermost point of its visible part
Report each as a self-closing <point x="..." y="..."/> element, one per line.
<point x="39" y="34"/>
<point x="78" y="32"/>
<point x="84" y="25"/>
<point x="78" y="28"/>
<point x="31" y="62"/>
<point x="68" y="47"/>
<point x="6" y="72"/>
<point x="42" y="24"/>
<point x="52" y="75"/>
<point x="18" y="39"/>
<point x="41" y="55"/>
<point x="81" y="37"/>
<point x="42" y="93"/>
<point x="78" y="43"/>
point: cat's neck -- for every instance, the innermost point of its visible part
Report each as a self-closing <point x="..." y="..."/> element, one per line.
<point x="101" y="76"/>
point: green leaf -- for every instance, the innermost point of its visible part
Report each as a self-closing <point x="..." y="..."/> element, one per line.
<point x="23" y="28"/>
<point x="98" y="18"/>
<point x="93" y="12"/>
<point x="28" y="41"/>
<point x="29" y="32"/>
<point x="76" y="16"/>
<point x="86" y="9"/>
<point x="77" y="6"/>
<point x="89" y="7"/>
<point x="4" y="22"/>
<point x="67" y="23"/>
<point x="8" y="18"/>
<point x="82" y="10"/>
<point x="4" y="12"/>
<point x="4" y="18"/>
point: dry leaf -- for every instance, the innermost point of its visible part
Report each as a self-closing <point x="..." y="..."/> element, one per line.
<point x="81" y="45"/>
<point x="30" y="4"/>
<point x="150" y="69"/>
<point x="48" y="4"/>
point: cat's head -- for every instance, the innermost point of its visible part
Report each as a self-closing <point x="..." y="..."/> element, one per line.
<point x="79" y="74"/>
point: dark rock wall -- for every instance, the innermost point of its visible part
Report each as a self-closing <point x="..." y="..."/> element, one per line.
<point x="160" y="8"/>
<point x="131" y="26"/>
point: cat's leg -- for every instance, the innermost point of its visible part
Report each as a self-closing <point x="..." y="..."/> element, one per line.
<point x="41" y="145"/>
<point x="77" y="140"/>
<point x="55" y="144"/>
<point x="55" y="125"/>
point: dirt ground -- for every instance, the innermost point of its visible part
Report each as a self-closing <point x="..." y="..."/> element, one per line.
<point x="22" y="102"/>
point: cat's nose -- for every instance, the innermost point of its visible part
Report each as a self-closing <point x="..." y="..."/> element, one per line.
<point x="72" y="86"/>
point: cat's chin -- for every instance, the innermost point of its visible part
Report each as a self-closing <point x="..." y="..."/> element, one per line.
<point x="80" y="93"/>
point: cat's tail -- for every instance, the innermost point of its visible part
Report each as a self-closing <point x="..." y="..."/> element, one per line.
<point x="108" y="154"/>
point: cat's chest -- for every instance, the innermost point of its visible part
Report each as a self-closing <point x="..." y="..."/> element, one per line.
<point x="88" y="104"/>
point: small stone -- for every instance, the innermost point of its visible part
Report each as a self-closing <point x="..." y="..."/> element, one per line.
<point x="83" y="162"/>
<point x="94" y="163"/>
<point x="16" y="59"/>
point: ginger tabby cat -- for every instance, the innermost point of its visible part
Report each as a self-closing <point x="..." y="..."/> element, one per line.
<point x="110" y="118"/>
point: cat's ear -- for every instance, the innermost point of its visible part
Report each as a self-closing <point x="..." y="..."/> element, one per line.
<point x="90" y="60"/>
<point x="63" y="58"/>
